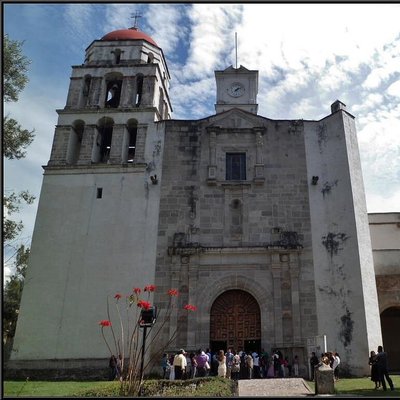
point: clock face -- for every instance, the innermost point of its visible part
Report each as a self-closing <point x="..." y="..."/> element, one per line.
<point x="236" y="89"/>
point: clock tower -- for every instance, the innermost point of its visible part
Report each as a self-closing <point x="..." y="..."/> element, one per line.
<point x="236" y="88"/>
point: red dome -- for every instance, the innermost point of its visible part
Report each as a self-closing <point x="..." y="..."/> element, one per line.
<point x="128" y="34"/>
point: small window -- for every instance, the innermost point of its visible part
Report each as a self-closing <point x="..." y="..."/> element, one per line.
<point x="235" y="166"/>
<point x="117" y="56"/>
<point x="99" y="193"/>
<point x="139" y="90"/>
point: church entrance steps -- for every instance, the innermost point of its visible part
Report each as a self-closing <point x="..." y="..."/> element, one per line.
<point x="285" y="387"/>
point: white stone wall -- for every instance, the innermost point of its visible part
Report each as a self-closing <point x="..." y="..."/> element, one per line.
<point x="85" y="249"/>
<point x="346" y="297"/>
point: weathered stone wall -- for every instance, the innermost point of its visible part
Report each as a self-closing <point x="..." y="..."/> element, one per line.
<point x="204" y="249"/>
<point x="344" y="276"/>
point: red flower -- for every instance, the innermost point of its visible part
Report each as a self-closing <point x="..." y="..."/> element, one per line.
<point x="144" y="304"/>
<point x="137" y="290"/>
<point x="173" y="292"/>
<point x="149" y="288"/>
<point x="190" y="307"/>
<point x="105" y="322"/>
<point x="118" y="296"/>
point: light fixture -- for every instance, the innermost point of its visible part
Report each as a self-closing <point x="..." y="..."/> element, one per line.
<point x="154" y="179"/>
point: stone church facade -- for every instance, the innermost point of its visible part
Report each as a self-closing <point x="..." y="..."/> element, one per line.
<point x="260" y="223"/>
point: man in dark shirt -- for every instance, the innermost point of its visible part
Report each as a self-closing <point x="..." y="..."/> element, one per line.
<point x="381" y="361"/>
<point x="313" y="363"/>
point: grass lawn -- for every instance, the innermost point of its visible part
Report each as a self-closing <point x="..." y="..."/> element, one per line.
<point x="363" y="387"/>
<point x="50" y="389"/>
<point x="198" y="387"/>
<point x="213" y="387"/>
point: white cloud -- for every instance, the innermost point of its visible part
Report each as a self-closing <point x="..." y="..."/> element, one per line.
<point x="166" y="26"/>
<point x="394" y="89"/>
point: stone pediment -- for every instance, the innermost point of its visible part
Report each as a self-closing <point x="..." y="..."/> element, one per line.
<point x="236" y="118"/>
<point x="236" y="70"/>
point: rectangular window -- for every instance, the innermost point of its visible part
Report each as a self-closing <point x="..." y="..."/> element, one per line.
<point x="235" y="166"/>
<point x="99" y="193"/>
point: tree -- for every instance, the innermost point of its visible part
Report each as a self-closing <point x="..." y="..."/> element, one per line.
<point x="13" y="292"/>
<point x="15" y="66"/>
<point x="15" y="138"/>
<point x="15" y="141"/>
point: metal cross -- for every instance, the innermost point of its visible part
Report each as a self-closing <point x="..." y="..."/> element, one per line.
<point x="135" y="17"/>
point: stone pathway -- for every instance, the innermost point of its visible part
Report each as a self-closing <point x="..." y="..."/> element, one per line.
<point x="289" y="387"/>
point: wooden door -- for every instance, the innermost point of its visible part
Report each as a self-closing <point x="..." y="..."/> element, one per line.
<point x="235" y="318"/>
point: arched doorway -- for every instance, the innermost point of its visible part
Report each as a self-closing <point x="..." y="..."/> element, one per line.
<point x="235" y="322"/>
<point x="390" y="323"/>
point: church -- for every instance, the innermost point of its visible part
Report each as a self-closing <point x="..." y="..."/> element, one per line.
<point x="260" y="223"/>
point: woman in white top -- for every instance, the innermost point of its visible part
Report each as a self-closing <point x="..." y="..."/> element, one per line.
<point x="221" y="364"/>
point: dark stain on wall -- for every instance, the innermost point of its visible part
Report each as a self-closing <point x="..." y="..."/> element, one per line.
<point x="346" y="331"/>
<point x="328" y="186"/>
<point x="333" y="242"/>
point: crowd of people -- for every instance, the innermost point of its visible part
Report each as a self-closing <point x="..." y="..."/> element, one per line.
<point x="329" y="358"/>
<point x="231" y="365"/>
<point x="378" y="362"/>
<point x="248" y="365"/>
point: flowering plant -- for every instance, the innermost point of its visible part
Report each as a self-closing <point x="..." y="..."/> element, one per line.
<point x="128" y="346"/>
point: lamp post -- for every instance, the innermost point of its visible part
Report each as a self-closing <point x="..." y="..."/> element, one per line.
<point x="147" y="319"/>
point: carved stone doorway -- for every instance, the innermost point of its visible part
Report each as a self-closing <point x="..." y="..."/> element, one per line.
<point x="235" y="319"/>
<point x="390" y="324"/>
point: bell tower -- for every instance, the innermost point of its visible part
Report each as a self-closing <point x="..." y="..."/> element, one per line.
<point x="236" y="88"/>
<point x="96" y="225"/>
<point x="122" y="85"/>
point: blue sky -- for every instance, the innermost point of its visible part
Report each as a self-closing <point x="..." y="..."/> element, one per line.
<point x="307" y="55"/>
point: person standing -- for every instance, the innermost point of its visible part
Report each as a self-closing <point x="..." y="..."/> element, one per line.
<point x="382" y="363"/>
<point x="165" y="365"/>
<point x="335" y="365"/>
<point x="235" y="366"/>
<point x="193" y="361"/>
<point x="296" y="366"/>
<point x="201" y="360"/>
<point x="118" y="368"/>
<point x="221" y="358"/>
<point x="256" y="364"/>
<point x="113" y="365"/>
<point x="229" y="360"/>
<point x="313" y="363"/>
<point x="374" y="370"/>
<point x="180" y="364"/>
<point x="250" y="365"/>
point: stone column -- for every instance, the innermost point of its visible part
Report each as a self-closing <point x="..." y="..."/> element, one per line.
<point x="95" y="91"/>
<point x="212" y="167"/>
<point x="85" y="155"/>
<point x="175" y="283"/>
<point x="125" y="145"/>
<point x="73" y="93"/>
<point x="192" y="331"/>
<point x="127" y="97"/>
<point x="149" y="86"/>
<point x="276" y="275"/>
<point x="116" y="144"/>
<point x="96" y="146"/>
<point x="140" y="143"/>
<point x="324" y="383"/>
<point x="259" y="166"/>
<point x="294" y="279"/>
<point x="60" y="145"/>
